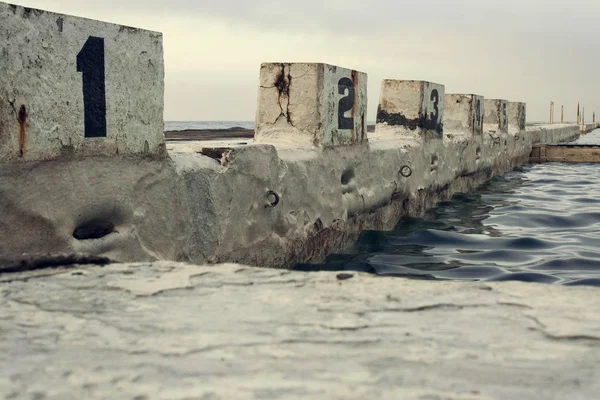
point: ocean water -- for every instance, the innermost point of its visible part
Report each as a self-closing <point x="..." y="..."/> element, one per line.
<point x="538" y="223"/>
<point x="184" y="125"/>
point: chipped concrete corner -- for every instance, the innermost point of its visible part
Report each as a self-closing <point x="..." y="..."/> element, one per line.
<point x="72" y="87"/>
<point x="311" y="105"/>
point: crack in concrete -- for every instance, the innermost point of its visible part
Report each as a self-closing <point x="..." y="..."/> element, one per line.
<point x="283" y="88"/>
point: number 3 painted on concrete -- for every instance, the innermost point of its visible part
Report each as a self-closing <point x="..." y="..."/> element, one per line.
<point x="435" y="97"/>
<point x="346" y="103"/>
<point x="90" y="62"/>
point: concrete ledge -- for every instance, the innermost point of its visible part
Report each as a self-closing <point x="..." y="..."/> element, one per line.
<point x="175" y="331"/>
<point x="254" y="204"/>
<point x="556" y="133"/>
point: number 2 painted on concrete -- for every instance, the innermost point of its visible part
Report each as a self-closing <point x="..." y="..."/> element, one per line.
<point x="346" y="103"/>
<point x="90" y="62"/>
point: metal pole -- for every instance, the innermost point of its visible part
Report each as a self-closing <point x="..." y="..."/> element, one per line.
<point x="562" y="114"/>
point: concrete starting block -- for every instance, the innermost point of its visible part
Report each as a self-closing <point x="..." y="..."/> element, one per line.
<point x="73" y="87"/>
<point x="411" y="108"/>
<point x="495" y="115"/>
<point x="517" y="116"/>
<point x="463" y="113"/>
<point x="308" y="104"/>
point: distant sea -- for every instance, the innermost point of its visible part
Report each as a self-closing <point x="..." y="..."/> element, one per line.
<point x="185" y="125"/>
<point x="171" y="126"/>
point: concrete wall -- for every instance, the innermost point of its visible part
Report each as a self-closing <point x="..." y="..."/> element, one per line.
<point x="306" y="186"/>
<point x="556" y="133"/>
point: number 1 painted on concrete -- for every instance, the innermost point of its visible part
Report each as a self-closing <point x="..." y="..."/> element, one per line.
<point x="90" y="62"/>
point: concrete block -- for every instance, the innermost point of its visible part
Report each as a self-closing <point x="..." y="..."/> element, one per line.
<point x="310" y="104"/>
<point x="495" y="115"/>
<point x="411" y="108"/>
<point x="463" y="113"/>
<point x="517" y="115"/>
<point x="72" y="87"/>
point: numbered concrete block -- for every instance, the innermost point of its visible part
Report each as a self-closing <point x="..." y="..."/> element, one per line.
<point x="309" y="104"/>
<point x="73" y="87"/>
<point x="495" y="115"/>
<point x="414" y="108"/>
<point x="463" y="113"/>
<point x="517" y="115"/>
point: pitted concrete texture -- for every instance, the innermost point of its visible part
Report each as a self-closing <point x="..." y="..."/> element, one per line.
<point x="309" y="104"/>
<point x="72" y="87"/>
<point x="175" y="331"/>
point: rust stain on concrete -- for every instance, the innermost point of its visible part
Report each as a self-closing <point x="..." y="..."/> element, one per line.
<point x="22" y="118"/>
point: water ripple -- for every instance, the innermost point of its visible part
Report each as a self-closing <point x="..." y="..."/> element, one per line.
<point x="536" y="224"/>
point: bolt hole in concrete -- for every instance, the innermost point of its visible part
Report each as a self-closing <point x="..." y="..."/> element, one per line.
<point x="406" y="171"/>
<point x="434" y="162"/>
<point x="94" y="230"/>
<point x="535" y="224"/>
<point x="273" y="199"/>
<point x="348" y="176"/>
<point x="478" y="153"/>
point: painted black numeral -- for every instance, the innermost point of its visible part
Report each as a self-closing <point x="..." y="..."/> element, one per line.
<point x="504" y="116"/>
<point x="478" y="115"/>
<point x="522" y="124"/>
<point x="90" y="62"/>
<point x="435" y="97"/>
<point x="346" y="103"/>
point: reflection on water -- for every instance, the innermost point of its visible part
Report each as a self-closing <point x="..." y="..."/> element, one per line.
<point x="536" y="224"/>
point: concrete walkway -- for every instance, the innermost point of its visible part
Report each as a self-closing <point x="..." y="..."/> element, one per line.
<point x="174" y="331"/>
<point x="592" y="138"/>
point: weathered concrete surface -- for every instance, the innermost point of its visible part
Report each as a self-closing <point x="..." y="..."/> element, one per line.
<point x="253" y="204"/>
<point x="309" y="104"/>
<point x="117" y="207"/>
<point x="410" y="109"/>
<point x="53" y="64"/>
<point x="174" y="331"/>
<point x="556" y="133"/>
<point x="495" y="115"/>
<point x="517" y="116"/>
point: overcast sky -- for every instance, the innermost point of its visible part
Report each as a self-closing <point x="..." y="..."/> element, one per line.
<point x="521" y="50"/>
